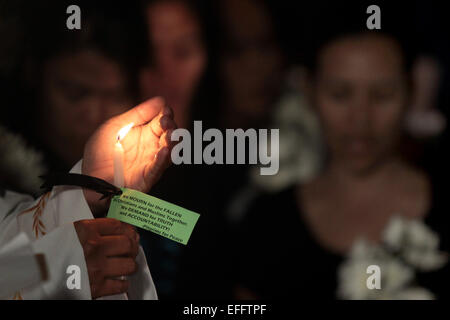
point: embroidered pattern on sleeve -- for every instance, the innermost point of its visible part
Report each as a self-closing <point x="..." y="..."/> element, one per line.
<point x="38" y="209"/>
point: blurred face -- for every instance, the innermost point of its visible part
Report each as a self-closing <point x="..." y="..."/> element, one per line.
<point x="252" y="66"/>
<point x="80" y="92"/>
<point x="179" y="53"/>
<point x="361" y="92"/>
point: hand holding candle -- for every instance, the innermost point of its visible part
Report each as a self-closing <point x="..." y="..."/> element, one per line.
<point x="145" y="149"/>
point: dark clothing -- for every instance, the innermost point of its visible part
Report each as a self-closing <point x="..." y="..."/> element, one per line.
<point x="279" y="258"/>
<point x="200" y="269"/>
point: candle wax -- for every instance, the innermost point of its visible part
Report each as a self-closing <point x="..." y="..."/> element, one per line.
<point x="119" y="175"/>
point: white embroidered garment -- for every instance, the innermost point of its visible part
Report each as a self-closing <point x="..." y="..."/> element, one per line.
<point x="18" y="253"/>
<point x="45" y="226"/>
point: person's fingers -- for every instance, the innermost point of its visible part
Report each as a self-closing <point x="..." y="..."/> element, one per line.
<point x="167" y="111"/>
<point x="154" y="170"/>
<point x="119" y="246"/>
<point x="119" y="266"/>
<point x="162" y="123"/>
<point x="130" y="231"/>
<point x="142" y="113"/>
<point x="165" y="140"/>
<point x="167" y="123"/>
<point x="162" y="160"/>
<point x="108" y="226"/>
<point x="109" y="287"/>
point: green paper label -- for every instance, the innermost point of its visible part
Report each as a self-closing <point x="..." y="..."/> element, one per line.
<point x="153" y="214"/>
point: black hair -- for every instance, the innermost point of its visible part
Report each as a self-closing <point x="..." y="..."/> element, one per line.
<point x="11" y="35"/>
<point x="330" y="21"/>
<point x="222" y="38"/>
<point x="114" y="29"/>
<point x="194" y="6"/>
<point x="197" y="8"/>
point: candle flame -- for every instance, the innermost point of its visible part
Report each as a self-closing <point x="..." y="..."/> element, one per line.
<point x="124" y="131"/>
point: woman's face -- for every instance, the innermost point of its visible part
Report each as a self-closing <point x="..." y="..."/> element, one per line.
<point x="79" y="92"/>
<point x="361" y="91"/>
<point x="178" y="50"/>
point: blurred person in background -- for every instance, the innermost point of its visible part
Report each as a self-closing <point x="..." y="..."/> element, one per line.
<point x="250" y="63"/>
<point x="369" y="205"/>
<point x="247" y="70"/>
<point x="428" y="116"/>
<point x="70" y="81"/>
<point x="261" y="88"/>
<point x="71" y="65"/>
<point x="178" y="56"/>
<point x="249" y="67"/>
<point x="177" y="69"/>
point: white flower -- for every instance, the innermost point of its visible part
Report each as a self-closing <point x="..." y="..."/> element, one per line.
<point x="352" y="274"/>
<point x="411" y="293"/>
<point x="417" y="244"/>
<point x="395" y="275"/>
<point x="425" y="123"/>
<point x="393" y="233"/>
<point x="22" y="164"/>
<point x="300" y="153"/>
<point x="406" y="245"/>
<point x="352" y="281"/>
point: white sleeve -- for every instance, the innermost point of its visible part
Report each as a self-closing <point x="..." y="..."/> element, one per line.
<point x="18" y="266"/>
<point x="36" y="218"/>
<point x="47" y="225"/>
<point x="62" y="249"/>
<point x="141" y="283"/>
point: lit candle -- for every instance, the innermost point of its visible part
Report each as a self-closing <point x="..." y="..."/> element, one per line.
<point x="119" y="172"/>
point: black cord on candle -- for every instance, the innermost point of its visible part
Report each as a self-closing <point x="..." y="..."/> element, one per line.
<point x="80" y="180"/>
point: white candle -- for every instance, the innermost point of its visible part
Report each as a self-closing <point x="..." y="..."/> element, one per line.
<point x="119" y="175"/>
<point x="119" y="159"/>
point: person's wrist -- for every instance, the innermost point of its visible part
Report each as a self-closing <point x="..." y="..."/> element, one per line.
<point x="98" y="207"/>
